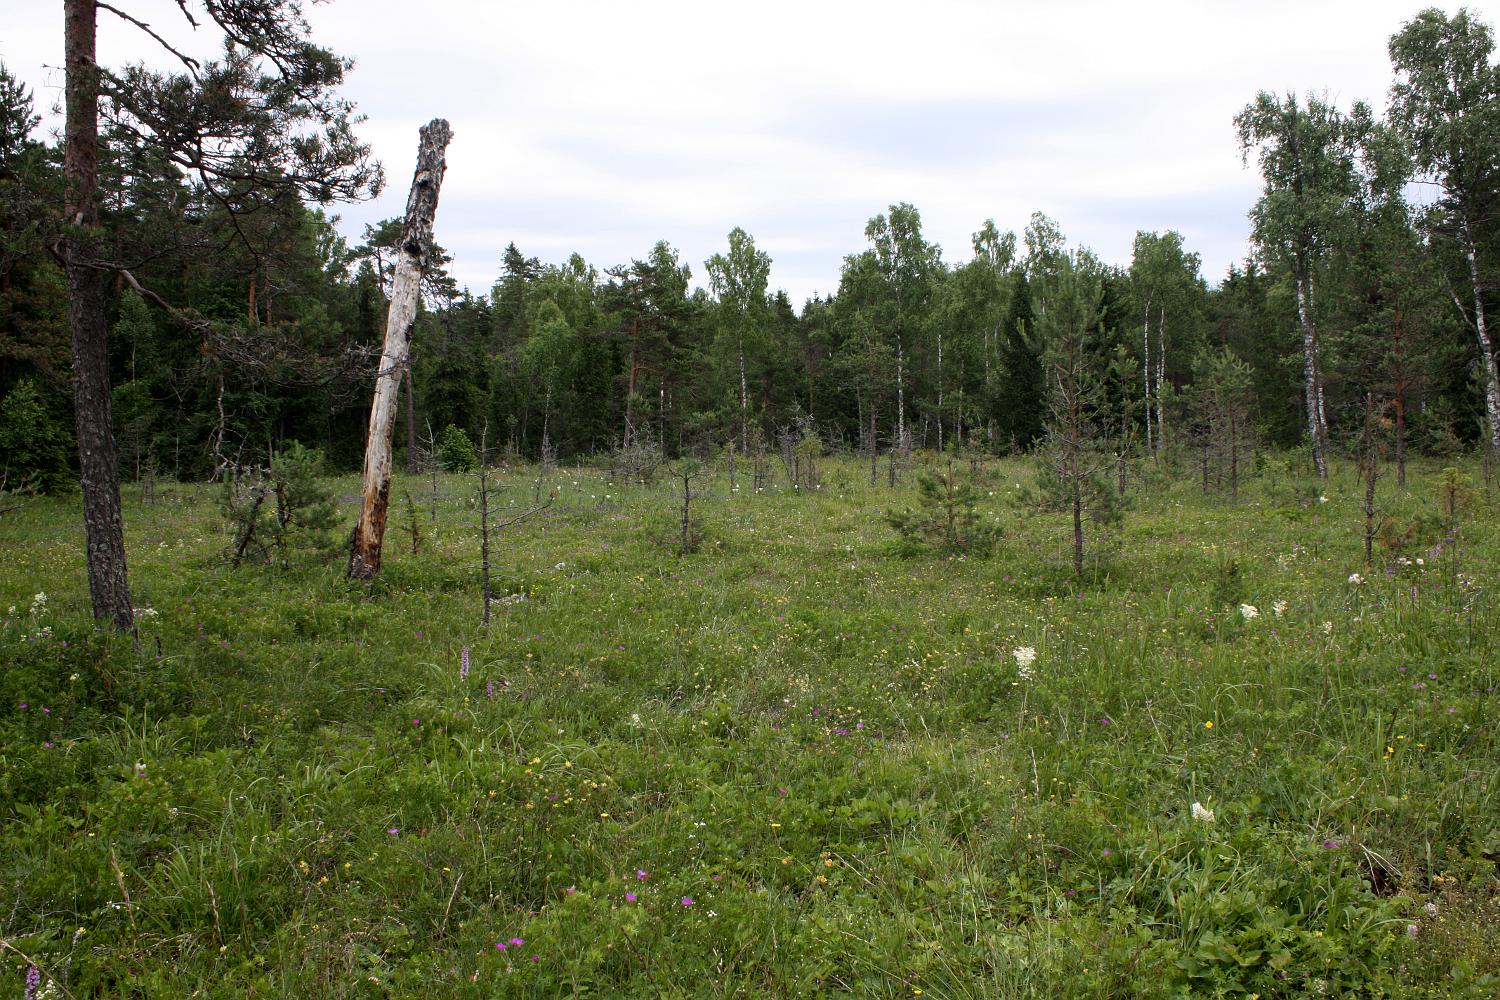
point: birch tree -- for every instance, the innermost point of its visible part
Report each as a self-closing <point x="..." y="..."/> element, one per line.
<point x="1166" y="287"/>
<point x="908" y="266"/>
<point x="416" y="242"/>
<point x="1446" y="101"/>
<point x="739" y="281"/>
<point x="1307" y="157"/>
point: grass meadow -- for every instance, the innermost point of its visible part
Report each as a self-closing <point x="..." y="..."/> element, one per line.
<point x="805" y="760"/>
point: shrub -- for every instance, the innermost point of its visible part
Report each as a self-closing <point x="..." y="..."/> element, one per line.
<point x="456" y="452"/>
<point x="35" y="445"/>
<point x="945" y="517"/>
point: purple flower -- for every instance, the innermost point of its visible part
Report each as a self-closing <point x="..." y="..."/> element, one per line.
<point x="630" y="897"/>
<point x="686" y="901"/>
<point x="489" y="688"/>
<point x="1431" y="677"/>
<point x="499" y="945"/>
<point x="1331" y="845"/>
<point x="392" y="831"/>
<point x="463" y="665"/>
<point x="1108" y="852"/>
<point x="33" y="980"/>
<point x="517" y="942"/>
<point x="642" y="874"/>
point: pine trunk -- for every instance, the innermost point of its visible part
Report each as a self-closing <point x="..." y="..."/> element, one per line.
<point x="104" y="530"/>
<point x="416" y="238"/>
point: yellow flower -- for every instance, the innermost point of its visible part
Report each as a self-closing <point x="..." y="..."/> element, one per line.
<point x="1209" y="724"/>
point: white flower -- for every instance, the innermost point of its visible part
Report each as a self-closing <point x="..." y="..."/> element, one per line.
<point x="39" y="605"/>
<point x="1279" y="607"/>
<point x="1322" y="499"/>
<point x="146" y="613"/>
<point x="1356" y="579"/>
<point x="1025" y="657"/>
<point x="1249" y="611"/>
<point x="1328" y="628"/>
<point x="1420" y="562"/>
<point x="1201" y="814"/>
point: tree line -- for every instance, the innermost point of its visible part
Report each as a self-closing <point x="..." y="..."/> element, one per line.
<point x="230" y="317"/>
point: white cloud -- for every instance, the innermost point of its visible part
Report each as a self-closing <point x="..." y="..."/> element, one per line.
<point x="602" y="127"/>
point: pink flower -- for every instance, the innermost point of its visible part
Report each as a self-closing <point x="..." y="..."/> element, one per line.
<point x="687" y="901"/>
<point x="641" y="874"/>
<point x="630" y="897"/>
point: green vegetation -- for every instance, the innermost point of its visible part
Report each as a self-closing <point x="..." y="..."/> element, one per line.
<point x="801" y="761"/>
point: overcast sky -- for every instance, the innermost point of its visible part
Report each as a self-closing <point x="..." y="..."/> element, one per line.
<point x="602" y="127"/>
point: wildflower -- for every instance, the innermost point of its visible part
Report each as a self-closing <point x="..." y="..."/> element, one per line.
<point x="33" y="980"/>
<point x="463" y="665"/>
<point x="39" y="604"/>
<point x="1328" y="628"/>
<point x="1201" y="814"/>
<point x="1209" y="724"/>
<point x="1322" y="499"/>
<point x="1331" y="845"/>
<point x="686" y="901"/>
<point x="392" y="831"/>
<point x="642" y="875"/>
<point x="1279" y="607"/>
<point x="1025" y="656"/>
<point x="630" y="897"/>
<point x="1356" y="579"/>
<point x="1411" y="930"/>
<point x="1249" y="612"/>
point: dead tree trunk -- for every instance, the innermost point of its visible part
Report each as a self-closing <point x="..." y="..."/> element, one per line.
<point x="416" y="238"/>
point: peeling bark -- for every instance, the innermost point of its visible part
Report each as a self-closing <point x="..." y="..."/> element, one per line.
<point x="416" y="237"/>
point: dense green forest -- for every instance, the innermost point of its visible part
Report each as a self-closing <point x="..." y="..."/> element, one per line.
<point x="1376" y="240"/>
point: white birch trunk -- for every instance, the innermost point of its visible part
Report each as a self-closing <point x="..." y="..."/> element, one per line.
<point x="1313" y="384"/>
<point x="900" y="396"/>
<point x="1146" y="374"/>
<point x="1161" y="377"/>
<point x="1486" y="350"/>
<point x="744" y="401"/>
<point x="416" y="238"/>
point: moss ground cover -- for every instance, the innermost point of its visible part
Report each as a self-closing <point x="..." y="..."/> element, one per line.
<point x="802" y="761"/>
